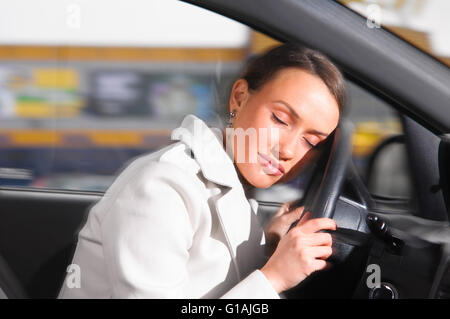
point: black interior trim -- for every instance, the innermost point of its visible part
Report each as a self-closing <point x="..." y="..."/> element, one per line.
<point x="423" y="156"/>
<point x="444" y="170"/>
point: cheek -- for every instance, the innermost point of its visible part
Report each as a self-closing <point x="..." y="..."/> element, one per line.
<point x="268" y="138"/>
<point x="263" y="126"/>
<point x="298" y="162"/>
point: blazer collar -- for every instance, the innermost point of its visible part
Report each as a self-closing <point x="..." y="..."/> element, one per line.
<point x="207" y="145"/>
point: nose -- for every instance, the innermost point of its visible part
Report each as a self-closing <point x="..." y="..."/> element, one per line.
<point x="286" y="147"/>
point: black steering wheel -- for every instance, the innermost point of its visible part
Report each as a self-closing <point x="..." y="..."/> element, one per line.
<point x="324" y="194"/>
<point x="334" y="171"/>
<point x="326" y="188"/>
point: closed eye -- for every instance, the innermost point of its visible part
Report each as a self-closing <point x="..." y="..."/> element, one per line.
<point x="309" y="143"/>
<point x="276" y="119"/>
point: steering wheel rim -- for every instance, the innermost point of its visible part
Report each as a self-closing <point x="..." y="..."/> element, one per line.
<point x="325" y="189"/>
<point x="349" y="245"/>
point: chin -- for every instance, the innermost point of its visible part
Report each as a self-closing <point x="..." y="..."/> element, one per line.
<point x="256" y="177"/>
<point x="266" y="185"/>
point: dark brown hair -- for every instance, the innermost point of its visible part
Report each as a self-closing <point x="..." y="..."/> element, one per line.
<point x="262" y="68"/>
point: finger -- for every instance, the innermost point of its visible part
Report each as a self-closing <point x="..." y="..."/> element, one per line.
<point x="313" y="239"/>
<point x="319" y="264"/>
<point x="321" y="252"/>
<point x="283" y="209"/>
<point x="316" y="224"/>
<point x="294" y="214"/>
<point x="297" y="211"/>
<point x="320" y="239"/>
<point x="304" y="218"/>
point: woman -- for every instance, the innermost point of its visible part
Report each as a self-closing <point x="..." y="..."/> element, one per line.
<point x="177" y="223"/>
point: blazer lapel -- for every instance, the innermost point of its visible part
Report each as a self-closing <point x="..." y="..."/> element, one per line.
<point x="232" y="207"/>
<point x="234" y="212"/>
<point x="244" y="235"/>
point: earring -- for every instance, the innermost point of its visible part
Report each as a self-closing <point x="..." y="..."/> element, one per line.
<point x="232" y="115"/>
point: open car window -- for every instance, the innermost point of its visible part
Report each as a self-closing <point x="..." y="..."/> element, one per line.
<point x="82" y="96"/>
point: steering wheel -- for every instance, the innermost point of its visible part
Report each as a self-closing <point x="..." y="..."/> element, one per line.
<point x="334" y="171"/>
<point x="325" y="189"/>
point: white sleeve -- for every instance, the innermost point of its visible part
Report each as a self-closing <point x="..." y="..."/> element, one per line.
<point x="147" y="233"/>
<point x="146" y="237"/>
<point x="254" y="286"/>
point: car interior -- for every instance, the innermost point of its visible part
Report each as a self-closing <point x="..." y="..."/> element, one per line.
<point x="405" y="232"/>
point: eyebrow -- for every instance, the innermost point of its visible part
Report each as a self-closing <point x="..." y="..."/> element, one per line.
<point x="291" y="109"/>
<point x="319" y="133"/>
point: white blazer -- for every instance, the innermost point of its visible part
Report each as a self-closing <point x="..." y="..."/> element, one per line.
<point x="174" y="224"/>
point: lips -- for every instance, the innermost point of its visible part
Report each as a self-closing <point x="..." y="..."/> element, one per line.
<point x="270" y="165"/>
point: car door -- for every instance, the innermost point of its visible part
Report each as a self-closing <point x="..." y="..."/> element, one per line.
<point x="81" y="98"/>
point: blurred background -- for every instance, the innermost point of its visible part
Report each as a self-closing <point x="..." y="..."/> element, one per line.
<point x="86" y="85"/>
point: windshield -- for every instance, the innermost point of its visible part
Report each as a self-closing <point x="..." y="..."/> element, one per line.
<point x="423" y="23"/>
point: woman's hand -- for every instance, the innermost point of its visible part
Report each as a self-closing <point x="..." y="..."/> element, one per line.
<point x="280" y="224"/>
<point x="299" y="253"/>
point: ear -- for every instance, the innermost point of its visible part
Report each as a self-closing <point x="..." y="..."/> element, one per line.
<point x="239" y="95"/>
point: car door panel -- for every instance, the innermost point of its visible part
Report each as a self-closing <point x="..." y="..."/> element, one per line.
<point x="38" y="235"/>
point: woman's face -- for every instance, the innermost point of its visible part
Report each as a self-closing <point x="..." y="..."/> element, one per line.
<point x="276" y="126"/>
